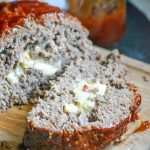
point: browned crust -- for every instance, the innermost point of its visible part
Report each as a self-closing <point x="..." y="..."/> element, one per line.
<point x="13" y="14"/>
<point x="79" y="140"/>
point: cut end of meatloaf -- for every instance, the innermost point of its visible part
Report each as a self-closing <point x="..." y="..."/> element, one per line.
<point x="83" y="110"/>
<point x="100" y="105"/>
<point x="37" y="48"/>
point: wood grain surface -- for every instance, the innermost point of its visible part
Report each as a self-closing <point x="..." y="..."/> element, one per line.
<point x="13" y="122"/>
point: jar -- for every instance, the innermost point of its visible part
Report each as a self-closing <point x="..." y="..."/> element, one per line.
<point x="105" y="19"/>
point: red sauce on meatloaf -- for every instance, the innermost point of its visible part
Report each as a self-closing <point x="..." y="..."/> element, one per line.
<point x="13" y="14"/>
<point x="144" y="126"/>
<point x="89" y="139"/>
<point x="137" y="102"/>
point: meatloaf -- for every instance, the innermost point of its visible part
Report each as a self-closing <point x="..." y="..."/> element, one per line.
<point x="87" y="108"/>
<point x="36" y="42"/>
<point x="84" y="100"/>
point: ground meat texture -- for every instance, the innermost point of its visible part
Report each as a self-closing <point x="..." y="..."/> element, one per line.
<point x="59" y="39"/>
<point x="84" y="100"/>
<point x="91" y="127"/>
<point x="49" y="35"/>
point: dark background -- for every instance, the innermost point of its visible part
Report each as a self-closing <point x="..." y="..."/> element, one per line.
<point x="136" y="41"/>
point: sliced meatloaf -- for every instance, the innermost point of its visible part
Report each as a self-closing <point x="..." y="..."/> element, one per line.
<point x="36" y="42"/>
<point x="87" y="108"/>
<point x="86" y="100"/>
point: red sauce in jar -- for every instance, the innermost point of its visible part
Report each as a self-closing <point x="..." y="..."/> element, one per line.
<point x="144" y="126"/>
<point x="106" y="26"/>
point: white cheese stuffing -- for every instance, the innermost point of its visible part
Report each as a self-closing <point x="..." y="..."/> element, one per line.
<point x="71" y="108"/>
<point x="18" y="71"/>
<point x="91" y="91"/>
<point x="12" y="77"/>
<point x="101" y="88"/>
<point x="37" y="64"/>
<point x="88" y="104"/>
<point x="86" y="94"/>
<point x="47" y="69"/>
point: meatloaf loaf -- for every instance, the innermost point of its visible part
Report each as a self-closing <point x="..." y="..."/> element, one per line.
<point x="87" y="108"/>
<point x="36" y="42"/>
<point x="86" y="100"/>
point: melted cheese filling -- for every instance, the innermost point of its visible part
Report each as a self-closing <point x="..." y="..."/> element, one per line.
<point x="26" y="62"/>
<point x="87" y="92"/>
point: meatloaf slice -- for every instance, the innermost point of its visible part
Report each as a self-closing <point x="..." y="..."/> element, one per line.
<point x="36" y="42"/>
<point x="87" y="108"/>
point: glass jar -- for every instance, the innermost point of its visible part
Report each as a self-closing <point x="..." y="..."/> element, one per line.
<point x="105" y="19"/>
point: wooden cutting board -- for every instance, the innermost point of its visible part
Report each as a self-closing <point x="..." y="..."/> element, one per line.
<point x="13" y="122"/>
